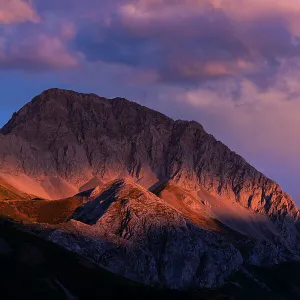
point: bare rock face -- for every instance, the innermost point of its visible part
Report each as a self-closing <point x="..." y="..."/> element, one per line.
<point x="131" y="232"/>
<point x="63" y="141"/>
<point x="73" y="138"/>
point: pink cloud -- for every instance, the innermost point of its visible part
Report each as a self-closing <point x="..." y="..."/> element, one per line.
<point x="287" y="10"/>
<point x="210" y="68"/>
<point x="52" y="51"/>
<point x="38" y="47"/>
<point x="239" y="10"/>
<point x="40" y="52"/>
<point x="147" y="13"/>
<point x="68" y="30"/>
<point x="17" y="11"/>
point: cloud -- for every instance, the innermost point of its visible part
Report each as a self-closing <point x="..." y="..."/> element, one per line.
<point x="68" y="30"/>
<point x="46" y="46"/>
<point x="238" y="10"/>
<point x="17" y="11"/>
<point x="191" y="41"/>
<point x="38" y="53"/>
<point x="287" y="11"/>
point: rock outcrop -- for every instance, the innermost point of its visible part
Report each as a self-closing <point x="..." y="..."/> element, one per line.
<point x="133" y="233"/>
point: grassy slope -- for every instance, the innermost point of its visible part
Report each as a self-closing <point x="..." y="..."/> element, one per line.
<point x="41" y="211"/>
<point x="8" y="192"/>
<point x="175" y="196"/>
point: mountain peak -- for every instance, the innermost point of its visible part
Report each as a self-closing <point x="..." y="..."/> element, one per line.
<point x="57" y="93"/>
<point x="73" y="139"/>
<point x="115" y="186"/>
<point x="57" y="106"/>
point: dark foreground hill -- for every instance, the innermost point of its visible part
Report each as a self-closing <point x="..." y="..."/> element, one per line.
<point x="32" y="268"/>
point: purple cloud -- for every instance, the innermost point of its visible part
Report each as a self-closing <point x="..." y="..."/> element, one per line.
<point x="183" y="42"/>
<point x="38" y="53"/>
<point x="191" y="41"/>
<point x="45" y="47"/>
<point x="17" y="11"/>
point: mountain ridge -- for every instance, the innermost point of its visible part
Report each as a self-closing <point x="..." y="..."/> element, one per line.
<point x="22" y="127"/>
<point x="63" y="142"/>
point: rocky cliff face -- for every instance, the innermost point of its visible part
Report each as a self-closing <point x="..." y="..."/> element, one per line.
<point x="65" y="140"/>
<point x="131" y="232"/>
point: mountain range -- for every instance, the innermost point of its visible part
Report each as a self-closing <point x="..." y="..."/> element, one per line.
<point x="156" y="201"/>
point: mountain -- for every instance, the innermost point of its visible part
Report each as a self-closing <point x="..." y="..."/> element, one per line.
<point x="157" y="201"/>
<point x="63" y="141"/>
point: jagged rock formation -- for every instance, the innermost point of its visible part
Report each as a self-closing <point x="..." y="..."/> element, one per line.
<point x="133" y="233"/>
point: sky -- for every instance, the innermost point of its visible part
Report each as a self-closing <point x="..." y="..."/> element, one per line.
<point x="232" y="65"/>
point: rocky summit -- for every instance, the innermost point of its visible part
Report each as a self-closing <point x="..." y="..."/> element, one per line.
<point x="66" y="141"/>
<point x="150" y="199"/>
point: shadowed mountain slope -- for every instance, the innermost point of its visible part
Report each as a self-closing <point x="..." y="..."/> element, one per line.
<point x="33" y="268"/>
